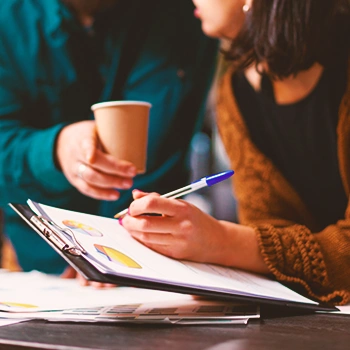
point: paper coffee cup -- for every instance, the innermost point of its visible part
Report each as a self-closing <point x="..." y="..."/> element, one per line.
<point x="122" y="128"/>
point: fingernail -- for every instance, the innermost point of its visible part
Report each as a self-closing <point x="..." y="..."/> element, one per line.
<point x="120" y="221"/>
<point x="126" y="184"/>
<point x="114" y="196"/>
<point x="132" y="171"/>
<point x="135" y="190"/>
<point x="129" y="211"/>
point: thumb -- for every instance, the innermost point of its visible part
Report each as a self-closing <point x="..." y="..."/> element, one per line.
<point x="89" y="146"/>
<point x="136" y="194"/>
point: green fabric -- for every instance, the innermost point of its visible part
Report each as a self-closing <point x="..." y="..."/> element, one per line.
<point x="44" y="85"/>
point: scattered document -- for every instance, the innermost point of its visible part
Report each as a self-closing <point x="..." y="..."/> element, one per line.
<point x="36" y="291"/>
<point x="34" y="295"/>
<point x="171" y="312"/>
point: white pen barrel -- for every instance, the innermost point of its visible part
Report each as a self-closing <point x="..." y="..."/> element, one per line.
<point x="199" y="184"/>
<point x="187" y="189"/>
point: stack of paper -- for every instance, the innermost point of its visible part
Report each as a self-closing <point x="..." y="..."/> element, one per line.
<point x="342" y="310"/>
<point x="38" y="296"/>
<point x="175" y="312"/>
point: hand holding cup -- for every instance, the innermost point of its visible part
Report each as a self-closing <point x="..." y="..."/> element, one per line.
<point x="92" y="171"/>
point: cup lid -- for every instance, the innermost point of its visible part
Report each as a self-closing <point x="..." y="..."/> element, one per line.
<point x="120" y="103"/>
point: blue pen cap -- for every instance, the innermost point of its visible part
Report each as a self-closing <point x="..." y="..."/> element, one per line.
<point x="214" y="179"/>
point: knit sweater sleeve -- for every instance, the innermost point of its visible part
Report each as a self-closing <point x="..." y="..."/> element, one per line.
<point x="316" y="263"/>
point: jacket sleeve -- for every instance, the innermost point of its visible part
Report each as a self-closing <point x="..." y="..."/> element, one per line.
<point x="27" y="166"/>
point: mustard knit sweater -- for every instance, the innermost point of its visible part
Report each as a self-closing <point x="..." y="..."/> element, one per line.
<point x="317" y="263"/>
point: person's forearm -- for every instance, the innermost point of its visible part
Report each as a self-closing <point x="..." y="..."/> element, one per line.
<point x="26" y="163"/>
<point x="241" y="249"/>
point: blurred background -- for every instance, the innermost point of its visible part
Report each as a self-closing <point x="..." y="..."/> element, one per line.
<point x="208" y="156"/>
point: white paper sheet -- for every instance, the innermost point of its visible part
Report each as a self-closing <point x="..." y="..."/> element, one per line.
<point x="110" y="244"/>
<point x="175" y="311"/>
<point x="7" y="322"/>
<point x="25" y="296"/>
<point x="343" y="310"/>
<point x="35" y="291"/>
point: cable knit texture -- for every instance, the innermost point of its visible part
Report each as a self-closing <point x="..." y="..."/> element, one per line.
<point x="313" y="262"/>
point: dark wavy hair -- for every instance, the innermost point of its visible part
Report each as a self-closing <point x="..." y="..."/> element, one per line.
<point x="291" y="35"/>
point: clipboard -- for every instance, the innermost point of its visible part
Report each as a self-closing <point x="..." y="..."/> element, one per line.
<point x="64" y="241"/>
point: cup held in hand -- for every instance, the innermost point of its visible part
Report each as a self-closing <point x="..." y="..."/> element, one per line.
<point x="122" y="127"/>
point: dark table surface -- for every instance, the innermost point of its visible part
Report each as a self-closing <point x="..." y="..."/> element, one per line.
<point x="275" y="330"/>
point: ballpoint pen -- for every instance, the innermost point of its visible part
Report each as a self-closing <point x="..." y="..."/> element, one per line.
<point x="206" y="181"/>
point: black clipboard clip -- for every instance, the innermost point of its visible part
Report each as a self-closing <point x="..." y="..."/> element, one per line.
<point x="58" y="235"/>
<point x="63" y="238"/>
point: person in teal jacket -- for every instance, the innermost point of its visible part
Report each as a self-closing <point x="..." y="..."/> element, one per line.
<point x="57" y="58"/>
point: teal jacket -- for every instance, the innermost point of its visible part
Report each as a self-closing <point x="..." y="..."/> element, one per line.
<point x="45" y="85"/>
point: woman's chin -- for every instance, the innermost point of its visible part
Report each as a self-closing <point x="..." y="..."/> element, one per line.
<point x="210" y="31"/>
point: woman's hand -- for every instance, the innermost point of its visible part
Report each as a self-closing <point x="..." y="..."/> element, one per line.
<point x="93" y="172"/>
<point x="182" y="231"/>
<point x="185" y="232"/>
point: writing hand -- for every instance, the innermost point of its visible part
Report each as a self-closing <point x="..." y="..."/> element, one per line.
<point x="182" y="232"/>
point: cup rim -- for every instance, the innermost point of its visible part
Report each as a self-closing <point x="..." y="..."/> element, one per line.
<point x="119" y="103"/>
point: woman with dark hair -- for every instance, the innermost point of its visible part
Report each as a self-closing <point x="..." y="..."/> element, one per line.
<point x="284" y="117"/>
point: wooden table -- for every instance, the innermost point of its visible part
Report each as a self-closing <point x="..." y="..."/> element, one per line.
<point x="276" y="330"/>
